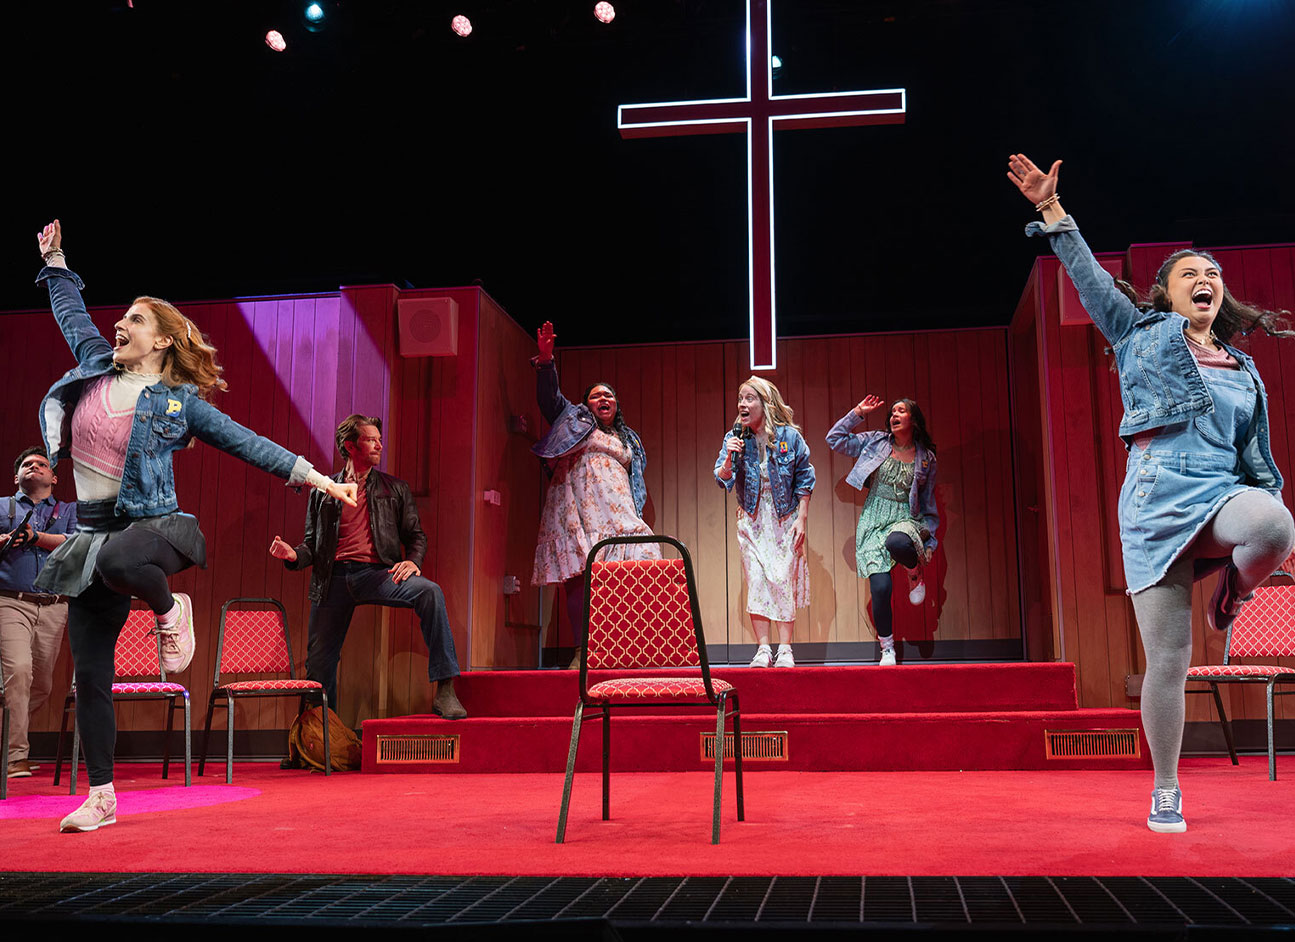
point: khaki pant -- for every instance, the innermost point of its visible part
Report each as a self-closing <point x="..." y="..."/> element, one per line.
<point x="30" y="638"/>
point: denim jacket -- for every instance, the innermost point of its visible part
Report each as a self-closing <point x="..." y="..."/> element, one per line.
<point x="166" y="417"/>
<point x="1160" y="382"/>
<point x="791" y="476"/>
<point x="570" y="424"/>
<point x="871" y="449"/>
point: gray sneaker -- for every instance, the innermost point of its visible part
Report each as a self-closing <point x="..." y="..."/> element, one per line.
<point x="1166" y="815"/>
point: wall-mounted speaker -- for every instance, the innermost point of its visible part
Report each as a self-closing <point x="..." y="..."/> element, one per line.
<point x="429" y="327"/>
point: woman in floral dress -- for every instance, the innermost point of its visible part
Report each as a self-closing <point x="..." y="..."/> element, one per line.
<point x="765" y="457"/>
<point x="596" y="486"/>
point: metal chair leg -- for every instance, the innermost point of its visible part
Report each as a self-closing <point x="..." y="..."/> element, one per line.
<point x="229" y="740"/>
<point x="737" y="754"/>
<point x="4" y="743"/>
<point x="171" y="707"/>
<point x="328" y="755"/>
<point x="206" y="735"/>
<point x="571" y="769"/>
<point x="607" y="762"/>
<point x="1224" y="722"/>
<point x="1272" y="752"/>
<point x="719" y="768"/>
<point x="188" y="751"/>
<point x="69" y="705"/>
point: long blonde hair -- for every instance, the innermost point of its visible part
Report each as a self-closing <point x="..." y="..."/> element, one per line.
<point x="776" y="412"/>
<point x="191" y="358"/>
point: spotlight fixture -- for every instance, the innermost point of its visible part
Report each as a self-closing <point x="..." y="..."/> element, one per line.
<point x="461" y="25"/>
<point x="775" y="64"/>
<point x="604" y="11"/>
<point x="274" y="39"/>
<point x="313" y="16"/>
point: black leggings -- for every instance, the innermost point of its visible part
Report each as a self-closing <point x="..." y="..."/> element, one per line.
<point x="135" y="562"/>
<point x="902" y="551"/>
<point x="574" y="589"/>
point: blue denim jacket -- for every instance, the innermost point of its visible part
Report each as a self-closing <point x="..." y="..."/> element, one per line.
<point x="1160" y="382"/>
<point x="570" y="424"/>
<point x="166" y="417"/>
<point x="871" y="449"/>
<point x="791" y="476"/>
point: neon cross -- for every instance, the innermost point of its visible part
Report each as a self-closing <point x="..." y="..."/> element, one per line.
<point x="748" y="116"/>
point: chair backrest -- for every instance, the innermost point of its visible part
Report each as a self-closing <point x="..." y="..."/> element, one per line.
<point x="1265" y="626"/>
<point x="253" y="638"/>
<point x="643" y="613"/>
<point x="138" y="654"/>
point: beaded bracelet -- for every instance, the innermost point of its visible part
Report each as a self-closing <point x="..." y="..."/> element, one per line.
<point x="1047" y="202"/>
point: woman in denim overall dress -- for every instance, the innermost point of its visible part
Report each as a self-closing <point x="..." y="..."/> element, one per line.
<point x="765" y="457"/>
<point x="120" y="414"/>
<point x="1201" y="490"/>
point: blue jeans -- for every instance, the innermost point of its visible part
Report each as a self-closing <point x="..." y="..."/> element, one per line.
<point x="355" y="584"/>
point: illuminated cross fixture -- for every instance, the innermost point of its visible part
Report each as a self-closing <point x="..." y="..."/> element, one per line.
<point x="757" y="116"/>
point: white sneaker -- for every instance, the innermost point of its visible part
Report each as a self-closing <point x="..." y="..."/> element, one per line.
<point x="916" y="587"/>
<point x="96" y="811"/>
<point x="887" y="658"/>
<point x="763" y="656"/>
<point x="177" y="639"/>
<point x="784" y="658"/>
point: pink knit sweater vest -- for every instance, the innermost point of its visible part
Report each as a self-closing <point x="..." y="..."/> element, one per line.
<point x="99" y="435"/>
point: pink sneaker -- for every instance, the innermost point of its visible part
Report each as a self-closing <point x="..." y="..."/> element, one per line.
<point x="177" y="638"/>
<point x="96" y="811"/>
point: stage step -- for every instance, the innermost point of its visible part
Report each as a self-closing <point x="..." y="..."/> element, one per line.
<point x="950" y="717"/>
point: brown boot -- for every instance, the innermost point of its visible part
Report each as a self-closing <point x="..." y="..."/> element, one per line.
<point x="447" y="702"/>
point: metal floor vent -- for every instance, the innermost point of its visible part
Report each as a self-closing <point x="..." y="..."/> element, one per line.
<point x="412" y="901"/>
<point x="405" y="750"/>
<point x="1091" y="743"/>
<point x="756" y="746"/>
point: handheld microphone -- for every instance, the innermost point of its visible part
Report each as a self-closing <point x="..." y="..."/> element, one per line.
<point x="740" y="430"/>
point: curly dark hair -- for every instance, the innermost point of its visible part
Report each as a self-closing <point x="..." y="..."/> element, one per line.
<point x="1234" y="317"/>
<point x="920" y="434"/>
<point x="618" y="420"/>
<point x="27" y="453"/>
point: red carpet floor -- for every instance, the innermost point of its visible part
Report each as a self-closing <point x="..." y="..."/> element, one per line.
<point x="819" y="823"/>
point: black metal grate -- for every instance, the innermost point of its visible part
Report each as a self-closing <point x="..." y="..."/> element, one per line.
<point x="410" y="901"/>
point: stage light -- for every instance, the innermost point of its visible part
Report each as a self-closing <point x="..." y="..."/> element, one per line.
<point x="313" y="16"/>
<point x="604" y="11"/>
<point x="776" y="62"/>
<point x="274" y="39"/>
<point x="314" y="13"/>
<point x="461" y="25"/>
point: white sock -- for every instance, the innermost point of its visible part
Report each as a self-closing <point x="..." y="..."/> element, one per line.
<point x="103" y="788"/>
<point x="171" y="618"/>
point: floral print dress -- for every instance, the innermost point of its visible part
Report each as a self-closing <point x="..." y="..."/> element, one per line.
<point x="777" y="577"/>
<point x="588" y="500"/>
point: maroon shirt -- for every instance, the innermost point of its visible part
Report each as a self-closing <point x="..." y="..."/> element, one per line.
<point x="354" y="535"/>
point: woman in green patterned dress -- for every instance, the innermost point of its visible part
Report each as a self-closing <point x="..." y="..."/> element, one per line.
<point x="899" y="519"/>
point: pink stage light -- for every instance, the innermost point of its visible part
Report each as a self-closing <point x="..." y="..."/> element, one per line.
<point x="604" y="11"/>
<point x="461" y="25"/>
<point x="274" y="39"/>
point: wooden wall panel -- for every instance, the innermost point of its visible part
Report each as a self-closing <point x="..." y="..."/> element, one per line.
<point x="681" y="400"/>
<point x="1081" y="467"/>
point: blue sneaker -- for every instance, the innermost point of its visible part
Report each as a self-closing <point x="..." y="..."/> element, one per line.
<point x="1166" y="815"/>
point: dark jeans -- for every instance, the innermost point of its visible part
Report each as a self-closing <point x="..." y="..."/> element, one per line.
<point x="355" y="584"/>
<point x="902" y="551"/>
<point x="134" y="562"/>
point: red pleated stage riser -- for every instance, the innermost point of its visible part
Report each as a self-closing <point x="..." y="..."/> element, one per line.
<point x="937" y="718"/>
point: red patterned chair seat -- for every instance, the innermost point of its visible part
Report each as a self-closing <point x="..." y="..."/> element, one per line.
<point x="656" y="688"/>
<point x="149" y="686"/>
<point x="1239" y="670"/>
<point x="284" y="684"/>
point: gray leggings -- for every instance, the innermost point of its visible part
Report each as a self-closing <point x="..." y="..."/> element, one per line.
<point x="1253" y="530"/>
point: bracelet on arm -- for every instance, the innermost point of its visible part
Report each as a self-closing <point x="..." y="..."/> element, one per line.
<point x="51" y="254"/>
<point x="1047" y="202"/>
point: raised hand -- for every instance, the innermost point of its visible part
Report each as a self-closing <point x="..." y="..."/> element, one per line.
<point x="1035" y="185"/>
<point x="545" y="337"/>
<point x="869" y="403"/>
<point x="50" y="239"/>
<point x="281" y="550"/>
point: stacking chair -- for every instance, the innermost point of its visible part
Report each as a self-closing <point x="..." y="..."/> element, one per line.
<point x="254" y="640"/>
<point x="644" y="614"/>
<point x="137" y="664"/>
<point x="1265" y="627"/>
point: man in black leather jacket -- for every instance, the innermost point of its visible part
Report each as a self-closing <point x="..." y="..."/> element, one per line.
<point x="371" y="554"/>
